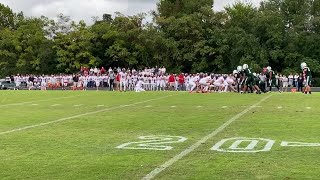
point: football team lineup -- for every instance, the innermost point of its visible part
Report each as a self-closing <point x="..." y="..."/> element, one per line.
<point x="157" y="135"/>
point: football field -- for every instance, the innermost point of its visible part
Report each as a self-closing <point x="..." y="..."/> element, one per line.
<point x="158" y="135"/>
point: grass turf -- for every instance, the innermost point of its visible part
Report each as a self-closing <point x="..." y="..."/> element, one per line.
<point x="83" y="147"/>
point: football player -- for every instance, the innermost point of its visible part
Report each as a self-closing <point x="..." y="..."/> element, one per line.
<point x="306" y="77"/>
<point x="271" y="76"/>
<point x="249" y="80"/>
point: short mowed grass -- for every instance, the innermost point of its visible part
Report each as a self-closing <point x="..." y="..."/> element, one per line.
<point x="82" y="143"/>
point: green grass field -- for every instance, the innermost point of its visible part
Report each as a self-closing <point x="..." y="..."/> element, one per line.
<point x="98" y="135"/>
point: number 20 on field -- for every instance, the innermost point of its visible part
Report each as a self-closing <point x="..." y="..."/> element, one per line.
<point x="232" y="145"/>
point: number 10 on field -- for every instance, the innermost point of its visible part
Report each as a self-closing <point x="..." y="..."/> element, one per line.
<point x="231" y="145"/>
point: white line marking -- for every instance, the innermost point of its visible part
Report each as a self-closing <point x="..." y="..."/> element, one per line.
<point x="34" y="104"/>
<point x="173" y="106"/>
<point x="308" y="107"/>
<point x="187" y="151"/>
<point x="29" y="102"/>
<point x="199" y="106"/>
<point x="224" y="107"/>
<point x="78" y="105"/>
<point x="54" y="105"/>
<point x="77" y="116"/>
<point x="279" y="107"/>
<point x="100" y="105"/>
<point x="148" y="106"/>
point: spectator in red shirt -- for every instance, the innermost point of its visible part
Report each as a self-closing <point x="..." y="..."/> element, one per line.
<point x="118" y="82"/>
<point x="171" y="82"/>
<point x="181" y="82"/>
<point x="102" y="70"/>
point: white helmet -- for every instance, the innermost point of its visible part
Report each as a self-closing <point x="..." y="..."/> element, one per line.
<point x="245" y="66"/>
<point x="235" y="72"/>
<point x="254" y="74"/>
<point x="239" y="68"/>
<point x="303" y="65"/>
<point x="269" y="68"/>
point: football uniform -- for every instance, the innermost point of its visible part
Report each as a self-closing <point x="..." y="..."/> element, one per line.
<point x="307" y="76"/>
<point x="123" y="81"/>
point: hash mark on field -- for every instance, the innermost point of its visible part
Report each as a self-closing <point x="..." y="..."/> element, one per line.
<point x="193" y="147"/>
<point x="308" y="107"/>
<point x="78" y="105"/>
<point x="279" y="107"/>
<point x="148" y="106"/>
<point x="173" y="106"/>
<point x="199" y="106"/>
<point x="56" y="105"/>
<point x="34" y="104"/>
<point x="224" y="107"/>
<point x="100" y="105"/>
<point x="77" y="116"/>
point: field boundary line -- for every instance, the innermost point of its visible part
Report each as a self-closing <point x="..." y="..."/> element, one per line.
<point x="42" y="100"/>
<point x="81" y="115"/>
<point x="193" y="147"/>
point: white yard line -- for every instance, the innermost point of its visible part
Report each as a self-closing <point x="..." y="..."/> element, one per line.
<point x="80" y="115"/>
<point x="190" y="149"/>
<point x="29" y="102"/>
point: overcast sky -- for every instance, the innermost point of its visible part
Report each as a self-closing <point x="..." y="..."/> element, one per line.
<point x="86" y="9"/>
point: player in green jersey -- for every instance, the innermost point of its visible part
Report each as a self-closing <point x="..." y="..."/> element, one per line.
<point x="306" y="77"/>
<point x="249" y="80"/>
<point x="271" y="76"/>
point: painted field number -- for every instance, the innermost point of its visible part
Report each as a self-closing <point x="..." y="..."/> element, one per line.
<point x="160" y="143"/>
<point x="244" y="145"/>
<point x="230" y="145"/>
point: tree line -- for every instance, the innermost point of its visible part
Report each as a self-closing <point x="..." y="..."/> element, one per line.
<point x="183" y="36"/>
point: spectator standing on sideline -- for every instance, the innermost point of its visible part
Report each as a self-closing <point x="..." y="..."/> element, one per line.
<point x="102" y="71"/>
<point x="296" y="77"/>
<point x="181" y="82"/>
<point x="285" y="83"/>
<point x="117" y="81"/>
<point x="171" y="82"/>
<point x="290" y="77"/>
<point x="300" y="83"/>
<point x="75" y="82"/>
<point x="111" y="80"/>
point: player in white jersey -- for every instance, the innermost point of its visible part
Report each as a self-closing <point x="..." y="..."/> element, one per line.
<point x="123" y="80"/>
<point x="65" y="80"/>
<point x="139" y="85"/>
<point x="219" y="84"/>
<point x="130" y="82"/>
<point x="153" y="83"/>
<point x="17" y="81"/>
<point x="158" y="79"/>
<point x="230" y="81"/>
<point x="135" y="79"/>
<point x="96" y="79"/>
<point x="162" y="82"/>
<point x="194" y="82"/>
<point x="205" y="83"/>
<point x="186" y="82"/>
<point x="43" y="83"/>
